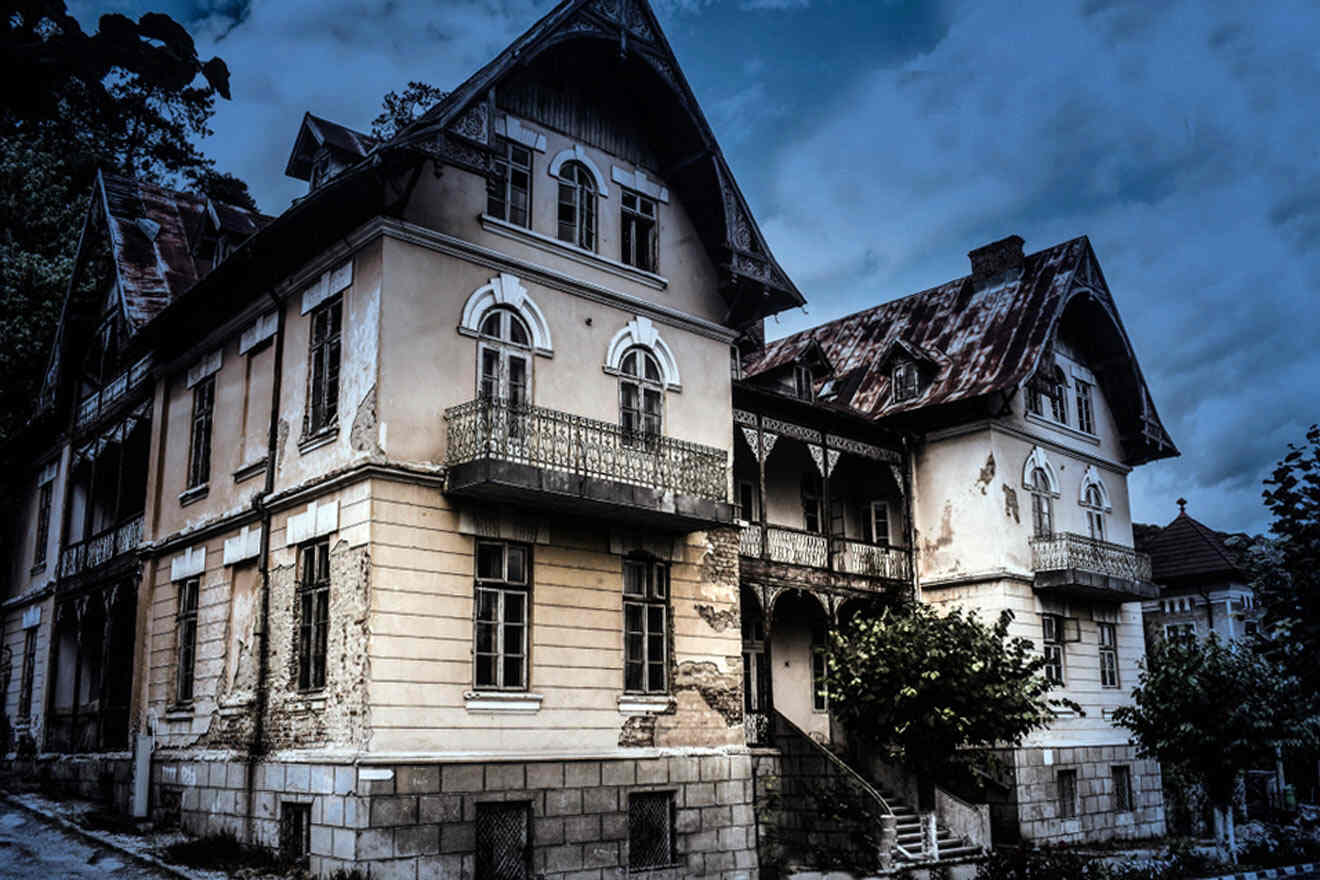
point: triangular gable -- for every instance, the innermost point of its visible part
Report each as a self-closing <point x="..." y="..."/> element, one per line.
<point x="315" y="133"/>
<point x="460" y="131"/>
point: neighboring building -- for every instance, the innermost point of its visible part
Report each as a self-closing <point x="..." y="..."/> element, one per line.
<point x="1027" y="409"/>
<point x="1203" y="585"/>
<point x="460" y="520"/>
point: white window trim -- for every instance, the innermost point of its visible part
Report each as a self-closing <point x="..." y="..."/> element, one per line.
<point x="575" y="153"/>
<point x="503" y="702"/>
<point x="639" y="181"/>
<point x="1038" y="459"/>
<point x="507" y="290"/>
<point x="645" y="704"/>
<point x="512" y="128"/>
<point x="640" y="332"/>
<point x="1091" y="477"/>
<point x="573" y="252"/>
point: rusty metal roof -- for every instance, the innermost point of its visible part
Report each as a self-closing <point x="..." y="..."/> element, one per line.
<point x="153" y="235"/>
<point x="977" y="336"/>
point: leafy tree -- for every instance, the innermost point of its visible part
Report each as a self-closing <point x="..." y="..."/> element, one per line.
<point x="1286" y="571"/>
<point x="132" y="98"/>
<point x="921" y="687"/>
<point x="1213" y="710"/>
<point x="400" y="109"/>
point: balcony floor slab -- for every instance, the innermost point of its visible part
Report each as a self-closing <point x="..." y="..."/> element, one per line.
<point x="1080" y="584"/>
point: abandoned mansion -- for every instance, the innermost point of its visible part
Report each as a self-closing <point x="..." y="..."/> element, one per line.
<point x="460" y="520"/>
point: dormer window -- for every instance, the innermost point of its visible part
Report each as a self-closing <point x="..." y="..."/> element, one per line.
<point x="906" y="381"/>
<point x="320" y="169"/>
<point x="802" y="385"/>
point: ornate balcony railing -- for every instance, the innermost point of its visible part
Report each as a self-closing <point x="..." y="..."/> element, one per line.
<point x="130" y="379"/>
<point x="560" y="441"/>
<point x="1068" y="551"/>
<point x="872" y="560"/>
<point x="796" y="547"/>
<point x="750" y="540"/>
<point x="101" y="547"/>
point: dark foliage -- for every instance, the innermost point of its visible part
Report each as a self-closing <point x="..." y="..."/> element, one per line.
<point x="399" y="109"/>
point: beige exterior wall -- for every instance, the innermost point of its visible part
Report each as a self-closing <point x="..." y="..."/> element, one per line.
<point x="23" y="575"/>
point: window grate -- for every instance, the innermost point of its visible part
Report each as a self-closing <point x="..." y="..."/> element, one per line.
<point x="295" y="831"/>
<point x="650" y="830"/>
<point x="504" y="845"/>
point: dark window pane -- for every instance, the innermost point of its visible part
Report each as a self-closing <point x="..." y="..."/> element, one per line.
<point x="490" y="561"/>
<point x="517" y="565"/>
<point x="486" y="671"/>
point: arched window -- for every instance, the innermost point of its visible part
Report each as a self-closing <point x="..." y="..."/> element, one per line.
<point x="1094" y="503"/>
<point x="1042" y="504"/>
<point x="504" y="358"/>
<point x="577" y="205"/>
<point x="641" y="395"/>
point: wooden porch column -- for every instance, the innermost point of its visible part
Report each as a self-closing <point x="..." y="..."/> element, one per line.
<point x="760" y="497"/>
<point x="108" y="600"/>
<point x="79" y="609"/>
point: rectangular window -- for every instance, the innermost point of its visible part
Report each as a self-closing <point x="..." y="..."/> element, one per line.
<point x="1035" y="398"/>
<point x="313" y="614"/>
<point x="640" y="412"/>
<point x="1059" y="400"/>
<point x="802" y="383"/>
<point x="1122" y="781"/>
<point x="1052" y="646"/>
<point x="639" y="231"/>
<point x="186" y="628"/>
<point x="44" y="499"/>
<point x="645" y="615"/>
<point x="504" y="841"/>
<point x="500" y="641"/>
<point x="879" y="523"/>
<point x="1095" y="523"/>
<point x="905" y="381"/>
<point x="1180" y="632"/>
<point x="1085" y="415"/>
<point x="29" y="673"/>
<point x="747" y="500"/>
<point x="811" y="502"/>
<point x="1108" y="655"/>
<point x="650" y="830"/>
<point x="295" y="831"/>
<point x="323" y="369"/>
<point x="820" y="694"/>
<point x="509" y="192"/>
<point x="199" y="450"/>
<point x="1067" y="781"/>
<point x="1042" y="513"/>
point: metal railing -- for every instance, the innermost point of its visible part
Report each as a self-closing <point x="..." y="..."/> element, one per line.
<point x="1065" y="550"/>
<point x="129" y="380"/>
<point x="812" y="549"/>
<point x="874" y="560"/>
<point x="101" y="547"/>
<point x="560" y="441"/>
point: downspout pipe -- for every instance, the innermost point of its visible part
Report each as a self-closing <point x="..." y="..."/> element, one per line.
<point x="256" y="748"/>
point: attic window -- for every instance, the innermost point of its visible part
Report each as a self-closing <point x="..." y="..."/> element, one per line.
<point x="802" y="386"/>
<point x="906" y="381"/>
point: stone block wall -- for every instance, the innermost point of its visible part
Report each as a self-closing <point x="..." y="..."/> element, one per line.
<point x="105" y="779"/>
<point x="418" y="821"/>
<point x="1038" y="803"/>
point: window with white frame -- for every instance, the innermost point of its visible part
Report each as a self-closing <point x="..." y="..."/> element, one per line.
<point x="1095" y="512"/>
<point x="803" y="388"/>
<point x="509" y="191"/>
<point x="1042" y="504"/>
<point x="503" y="600"/>
<point x="877" y="523"/>
<point x="1085" y="408"/>
<point x="640" y="232"/>
<point x="1108" y="654"/>
<point x="577" y="206"/>
<point x="811" y="493"/>
<point x="186" y="634"/>
<point x="906" y="380"/>
<point x="1052" y="626"/>
<point x="641" y="396"/>
<point x="323" y="372"/>
<point x="504" y="353"/>
<point x="645" y="625"/>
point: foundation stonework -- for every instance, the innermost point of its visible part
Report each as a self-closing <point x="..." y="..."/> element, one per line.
<point x="418" y="820"/>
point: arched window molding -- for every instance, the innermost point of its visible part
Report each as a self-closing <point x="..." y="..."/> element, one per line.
<point x="1038" y="459"/>
<point x="575" y="153"/>
<point x="507" y="290"/>
<point x="640" y="332"/>
<point x="1092" y="478"/>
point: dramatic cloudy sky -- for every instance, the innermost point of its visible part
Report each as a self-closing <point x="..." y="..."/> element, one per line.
<point x="879" y="141"/>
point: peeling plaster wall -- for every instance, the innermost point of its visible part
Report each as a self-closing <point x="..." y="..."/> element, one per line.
<point x="427" y="365"/>
<point x="421" y="636"/>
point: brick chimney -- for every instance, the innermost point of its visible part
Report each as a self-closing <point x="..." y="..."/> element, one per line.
<point x="998" y="256"/>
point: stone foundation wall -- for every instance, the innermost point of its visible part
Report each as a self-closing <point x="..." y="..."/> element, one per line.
<point x="105" y="779"/>
<point x="1096" y="819"/>
<point x="418" y="821"/>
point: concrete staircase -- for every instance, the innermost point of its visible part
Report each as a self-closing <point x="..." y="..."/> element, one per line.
<point x="909" y="834"/>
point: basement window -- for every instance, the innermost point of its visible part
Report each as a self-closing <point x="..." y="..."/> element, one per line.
<point x="650" y="830"/>
<point x="1067" y="784"/>
<point x="504" y="841"/>
<point x="1121" y="779"/>
<point x="295" y="832"/>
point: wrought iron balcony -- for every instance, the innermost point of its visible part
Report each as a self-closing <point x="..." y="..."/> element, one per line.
<point x="502" y="451"/>
<point x="1089" y="568"/>
<point x="813" y="550"/>
<point x="101" y="548"/>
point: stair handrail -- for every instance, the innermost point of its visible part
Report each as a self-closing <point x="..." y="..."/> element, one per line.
<point x="852" y="773"/>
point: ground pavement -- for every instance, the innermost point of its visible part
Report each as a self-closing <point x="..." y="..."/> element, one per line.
<point x="35" y="850"/>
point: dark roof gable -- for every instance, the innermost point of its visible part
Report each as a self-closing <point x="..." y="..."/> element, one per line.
<point x="1188" y="549"/>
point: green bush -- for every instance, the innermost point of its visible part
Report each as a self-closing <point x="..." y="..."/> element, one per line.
<point x="221" y="852"/>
